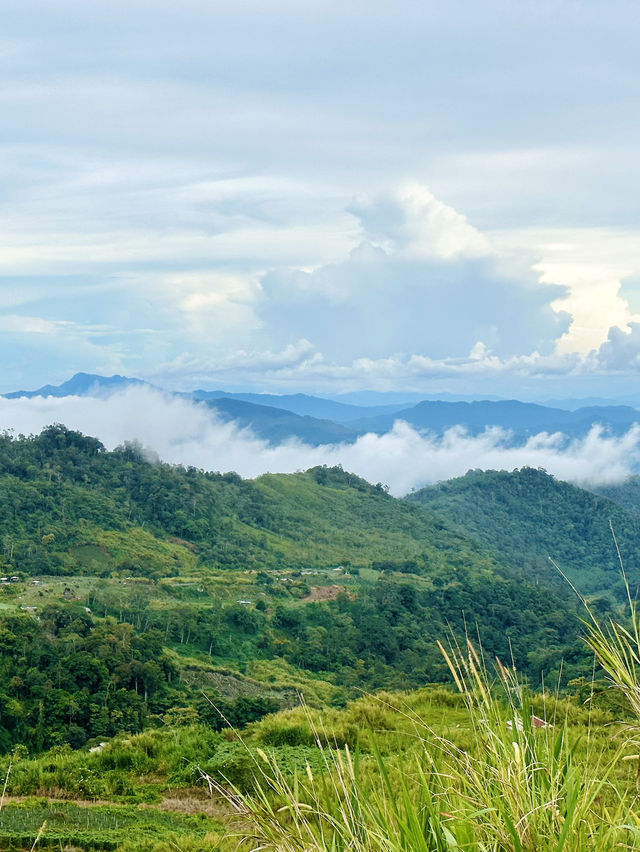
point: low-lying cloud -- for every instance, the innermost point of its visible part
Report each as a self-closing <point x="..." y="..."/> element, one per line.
<point x="182" y="432"/>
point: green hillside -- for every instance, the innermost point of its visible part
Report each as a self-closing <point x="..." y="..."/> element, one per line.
<point x="625" y="494"/>
<point x="145" y="607"/>
<point x="431" y="748"/>
<point x="528" y="516"/>
<point x="68" y="506"/>
<point x="174" y="588"/>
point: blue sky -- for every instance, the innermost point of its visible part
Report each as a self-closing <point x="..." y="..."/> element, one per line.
<point x="322" y="196"/>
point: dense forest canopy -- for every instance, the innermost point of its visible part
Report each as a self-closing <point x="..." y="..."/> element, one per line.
<point x="60" y="487"/>
<point x="529" y="516"/>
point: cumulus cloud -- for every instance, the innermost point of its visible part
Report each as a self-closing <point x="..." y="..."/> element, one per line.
<point x="375" y="305"/>
<point x="598" y="267"/>
<point x="417" y="224"/>
<point x="421" y="290"/>
<point x="186" y="433"/>
<point x="235" y="149"/>
<point x="300" y="366"/>
<point x="295" y="359"/>
<point x="422" y="280"/>
<point x="621" y="350"/>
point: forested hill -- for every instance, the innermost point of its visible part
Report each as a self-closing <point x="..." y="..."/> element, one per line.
<point x="528" y="516"/>
<point x="625" y="494"/>
<point x="69" y="506"/>
<point x="165" y="582"/>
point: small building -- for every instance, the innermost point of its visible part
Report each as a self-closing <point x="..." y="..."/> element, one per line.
<point x="536" y="722"/>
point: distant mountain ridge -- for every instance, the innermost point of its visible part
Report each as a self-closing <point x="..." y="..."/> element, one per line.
<point x="522" y="418"/>
<point x="81" y="384"/>
<point x="316" y="420"/>
<point x="276" y="425"/>
<point x="303" y="404"/>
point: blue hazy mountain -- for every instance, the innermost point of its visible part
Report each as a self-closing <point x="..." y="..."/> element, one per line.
<point x="89" y="384"/>
<point x="276" y="425"/>
<point x="521" y="418"/>
<point x="82" y="384"/>
<point x="572" y="404"/>
<point x="317" y="420"/>
<point x="404" y="399"/>
<point x="270" y="423"/>
<point x="305" y="405"/>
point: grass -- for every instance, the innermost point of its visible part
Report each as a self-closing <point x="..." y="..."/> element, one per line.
<point x="99" y="826"/>
<point x="504" y="786"/>
<point x="426" y="771"/>
<point x="422" y="770"/>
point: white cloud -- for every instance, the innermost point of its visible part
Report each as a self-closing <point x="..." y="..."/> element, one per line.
<point x="413" y="223"/>
<point x="300" y="366"/>
<point x="391" y="298"/>
<point x="66" y="214"/>
<point x="293" y="359"/>
<point x="184" y="433"/>
<point x="621" y="350"/>
<point x="293" y="355"/>
<point x="592" y="263"/>
<point x="219" y="305"/>
<point x="226" y="139"/>
<point x="28" y="325"/>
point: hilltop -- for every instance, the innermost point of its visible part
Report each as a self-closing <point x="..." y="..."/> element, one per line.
<point x="68" y="506"/>
<point x="528" y="516"/>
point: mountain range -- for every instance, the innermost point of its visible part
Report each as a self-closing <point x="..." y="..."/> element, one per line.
<point x="317" y="420"/>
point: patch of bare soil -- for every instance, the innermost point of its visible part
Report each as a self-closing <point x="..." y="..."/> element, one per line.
<point x="216" y="808"/>
<point x="327" y="593"/>
<point x="187" y="801"/>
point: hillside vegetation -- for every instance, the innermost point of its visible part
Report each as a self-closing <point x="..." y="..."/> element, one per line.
<point x="393" y="772"/>
<point x="528" y="516"/>
<point x="140" y="587"/>
<point x="62" y="492"/>
<point x="146" y="608"/>
<point x="625" y="494"/>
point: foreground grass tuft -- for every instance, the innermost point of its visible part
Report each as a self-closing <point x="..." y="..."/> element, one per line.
<point x="521" y="785"/>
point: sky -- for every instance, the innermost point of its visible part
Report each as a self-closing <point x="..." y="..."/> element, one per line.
<point x="322" y="196"/>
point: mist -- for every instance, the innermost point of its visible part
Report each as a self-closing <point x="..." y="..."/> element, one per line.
<point x="183" y="432"/>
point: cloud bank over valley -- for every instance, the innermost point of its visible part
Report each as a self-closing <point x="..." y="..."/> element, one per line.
<point x="183" y="432"/>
